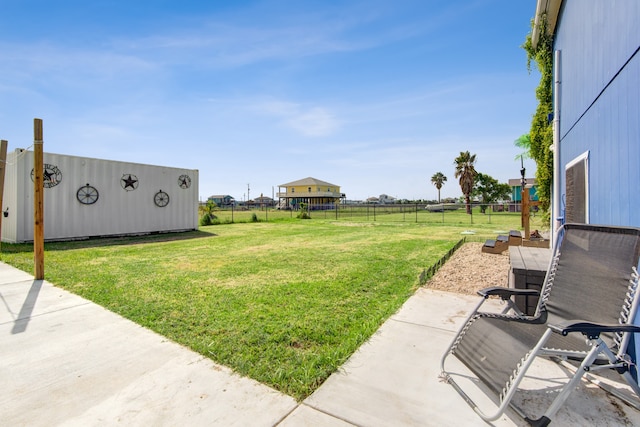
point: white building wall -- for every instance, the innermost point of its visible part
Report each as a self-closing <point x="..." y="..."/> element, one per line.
<point x="10" y="198"/>
<point x="116" y="211"/>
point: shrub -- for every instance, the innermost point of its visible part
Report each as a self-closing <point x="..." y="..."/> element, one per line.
<point x="304" y="212"/>
<point x="209" y="219"/>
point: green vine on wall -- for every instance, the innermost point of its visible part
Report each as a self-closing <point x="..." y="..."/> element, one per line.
<point x="541" y="133"/>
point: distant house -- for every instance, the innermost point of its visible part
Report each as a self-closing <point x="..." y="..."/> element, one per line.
<point x="384" y="199"/>
<point x="222" y="200"/>
<point x="516" y="189"/>
<point x="597" y="136"/>
<point x="262" y="201"/>
<point x="373" y="200"/>
<point x="316" y="194"/>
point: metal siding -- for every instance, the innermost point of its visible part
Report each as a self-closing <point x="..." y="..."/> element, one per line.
<point x="24" y="200"/>
<point x="9" y="199"/>
<point x="116" y="211"/>
<point x="596" y="39"/>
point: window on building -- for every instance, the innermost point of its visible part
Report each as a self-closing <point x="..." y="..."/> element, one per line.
<point x="577" y="189"/>
<point x="309" y="189"/>
<point x="293" y="190"/>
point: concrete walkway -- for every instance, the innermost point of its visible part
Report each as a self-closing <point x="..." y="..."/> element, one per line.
<point x="67" y="361"/>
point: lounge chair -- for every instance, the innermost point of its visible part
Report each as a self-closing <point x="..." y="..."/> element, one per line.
<point x="584" y="315"/>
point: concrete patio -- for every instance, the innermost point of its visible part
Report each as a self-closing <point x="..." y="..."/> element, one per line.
<point x="67" y="361"/>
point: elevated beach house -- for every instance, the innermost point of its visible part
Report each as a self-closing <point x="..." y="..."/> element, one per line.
<point x="316" y="194"/>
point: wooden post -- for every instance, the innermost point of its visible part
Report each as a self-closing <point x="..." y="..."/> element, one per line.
<point x="525" y="212"/>
<point x="38" y="201"/>
<point x="522" y="207"/>
<point x="3" y="164"/>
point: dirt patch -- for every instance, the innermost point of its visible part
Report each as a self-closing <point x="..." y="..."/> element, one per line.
<point x="469" y="269"/>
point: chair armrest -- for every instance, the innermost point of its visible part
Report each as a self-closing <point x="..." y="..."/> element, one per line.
<point x="506" y="293"/>
<point x="591" y="330"/>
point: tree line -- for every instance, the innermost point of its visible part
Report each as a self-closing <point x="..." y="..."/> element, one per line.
<point x="473" y="183"/>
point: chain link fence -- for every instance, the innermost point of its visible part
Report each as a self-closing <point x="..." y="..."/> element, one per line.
<point x="448" y="213"/>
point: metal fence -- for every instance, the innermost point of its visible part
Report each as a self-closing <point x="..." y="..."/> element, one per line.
<point x="419" y="213"/>
<point x="416" y="212"/>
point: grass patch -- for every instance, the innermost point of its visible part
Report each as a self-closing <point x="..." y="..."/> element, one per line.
<point x="285" y="303"/>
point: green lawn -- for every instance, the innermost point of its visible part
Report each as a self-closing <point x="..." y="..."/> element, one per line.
<point x="283" y="302"/>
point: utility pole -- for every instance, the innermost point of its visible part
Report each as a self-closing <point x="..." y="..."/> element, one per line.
<point x="248" y="197"/>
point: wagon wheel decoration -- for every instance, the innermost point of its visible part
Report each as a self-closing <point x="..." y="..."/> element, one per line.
<point x="87" y="195"/>
<point x="161" y="199"/>
<point x="184" y="181"/>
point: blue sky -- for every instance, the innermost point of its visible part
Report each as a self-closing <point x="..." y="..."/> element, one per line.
<point x="374" y="95"/>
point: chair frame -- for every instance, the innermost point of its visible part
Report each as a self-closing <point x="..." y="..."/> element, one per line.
<point x="599" y="350"/>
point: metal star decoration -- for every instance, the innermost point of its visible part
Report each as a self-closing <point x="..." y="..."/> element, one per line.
<point x="129" y="182"/>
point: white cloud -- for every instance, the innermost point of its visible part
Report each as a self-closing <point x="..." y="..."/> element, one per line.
<point x="26" y="61"/>
<point x="218" y="44"/>
<point x="307" y="121"/>
<point x="313" y="122"/>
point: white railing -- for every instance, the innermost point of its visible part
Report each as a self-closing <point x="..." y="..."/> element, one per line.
<point x="302" y="194"/>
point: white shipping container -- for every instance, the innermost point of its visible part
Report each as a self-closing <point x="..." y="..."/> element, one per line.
<point x="85" y="197"/>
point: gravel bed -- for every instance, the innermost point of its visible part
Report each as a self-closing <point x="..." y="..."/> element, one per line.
<point x="469" y="269"/>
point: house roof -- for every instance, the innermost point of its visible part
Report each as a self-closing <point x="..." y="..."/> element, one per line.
<point x="552" y="9"/>
<point x="516" y="182"/>
<point x="308" y="181"/>
<point x="219" y="196"/>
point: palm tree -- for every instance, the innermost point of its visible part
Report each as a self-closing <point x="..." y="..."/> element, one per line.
<point x="523" y="142"/>
<point x="467" y="174"/>
<point x="438" y="179"/>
